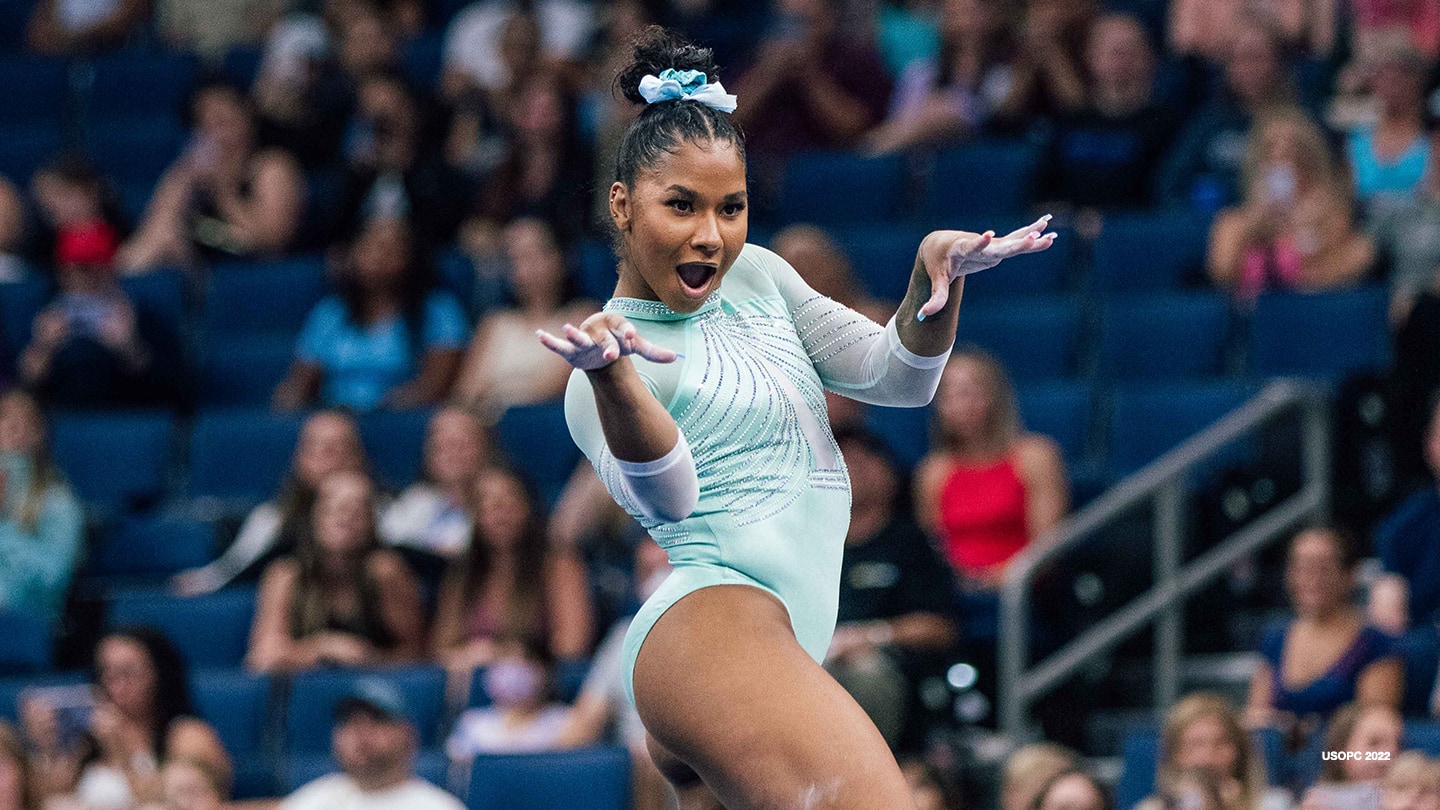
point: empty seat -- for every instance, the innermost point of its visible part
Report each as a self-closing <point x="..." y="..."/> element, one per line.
<point x="395" y="444"/>
<point x="971" y="184"/>
<point x="593" y="778"/>
<point x="210" y="631"/>
<point x="1033" y="274"/>
<point x="137" y="151"/>
<point x="158" y="296"/>
<point x="117" y="460"/>
<point x="236" y="703"/>
<point x="20" y="302"/>
<point x="310" y="708"/>
<point x="1423" y="735"/>
<point x="244" y="372"/>
<point x="27" y="642"/>
<point x="1323" y="335"/>
<point x="247" y="298"/>
<point x="150" y="546"/>
<point x="842" y="187"/>
<point x="28" y="147"/>
<point x="1149" y="252"/>
<point x="906" y="431"/>
<point x="1164" y="337"/>
<point x="241" y="455"/>
<point x="1060" y="410"/>
<point x="1034" y="340"/>
<point x="35" y="88"/>
<point x="537" y="440"/>
<point x="1141" y="750"/>
<point x="882" y="256"/>
<point x="135" y="84"/>
<point x="1149" y="419"/>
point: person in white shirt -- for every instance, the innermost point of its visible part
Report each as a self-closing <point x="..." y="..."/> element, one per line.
<point x="521" y="716"/>
<point x="433" y="514"/>
<point x="375" y="741"/>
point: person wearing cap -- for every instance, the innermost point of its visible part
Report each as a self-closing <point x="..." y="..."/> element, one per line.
<point x="375" y="741"/>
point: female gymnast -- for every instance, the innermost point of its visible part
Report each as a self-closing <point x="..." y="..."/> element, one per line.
<point x="711" y="430"/>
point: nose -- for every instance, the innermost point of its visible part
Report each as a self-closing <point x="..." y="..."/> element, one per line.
<point x="706" y="236"/>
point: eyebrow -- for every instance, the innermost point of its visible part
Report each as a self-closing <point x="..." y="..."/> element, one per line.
<point x="731" y="197"/>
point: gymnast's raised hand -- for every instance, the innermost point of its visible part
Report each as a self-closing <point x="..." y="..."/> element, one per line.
<point x="948" y="255"/>
<point x="602" y="339"/>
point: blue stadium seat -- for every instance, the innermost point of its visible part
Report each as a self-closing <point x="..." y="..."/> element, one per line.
<point x="596" y="268"/>
<point x="855" y="189"/>
<point x="1420" y="650"/>
<point x="1320" y="334"/>
<point x="20" y="302"/>
<point x="1036" y="274"/>
<point x="593" y="778"/>
<point x="1149" y="252"/>
<point x="253" y="298"/>
<point x="28" y="147"/>
<point x="1423" y="735"/>
<point x="241" y="455"/>
<point x="117" y="460"/>
<point x="24" y="642"/>
<point x="254" y="778"/>
<point x="244" y="372"/>
<point x="906" y="431"/>
<point x="1164" y="337"/>
<point x="11" y="688"/>
<point x="423" y="60"/>
<point x="242" y="64"/>
<point x="1147" y="420"/>
<point x="395" y="444"/>
<point x="970" y="185"/>
<point x="1141" y="749"/>
<point x="456" y="273"/>
<point x="35" y="87"/>
<point x="302" y="769"/>
<point x="236" y="703"/>
<point x="569" y="680"/>
<point x="136" y="84"/>
<point x="1035" y="340"/>
<point x="137" y="151"/>
<point x="210" y="631"/>
<point x="159" y="296"/>
<point x="1060" y="410"/>
<point x="537" y="440"/>
<point x="152" y="546"/>
<point x="310" y="709"/>
<point x="882" y="256"/>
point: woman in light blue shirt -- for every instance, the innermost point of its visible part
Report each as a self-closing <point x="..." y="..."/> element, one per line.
<point x="386" y="339"/>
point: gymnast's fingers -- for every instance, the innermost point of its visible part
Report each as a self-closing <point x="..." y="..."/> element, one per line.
<point x="560" y="346"/>
<point x="654" y="353"/>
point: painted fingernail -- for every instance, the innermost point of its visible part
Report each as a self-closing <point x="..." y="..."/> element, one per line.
<point x="920" y="316"/>
<point x="1048" y="217"/>
<point x="1052" y="235"/>
<point x="679" y="355"/>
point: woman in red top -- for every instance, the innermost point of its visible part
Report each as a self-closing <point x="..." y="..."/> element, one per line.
<point x="986" y="488"/>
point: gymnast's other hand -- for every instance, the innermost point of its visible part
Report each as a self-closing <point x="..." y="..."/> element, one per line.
<point x="601" y="340"/>
<point x="948" y="255"/>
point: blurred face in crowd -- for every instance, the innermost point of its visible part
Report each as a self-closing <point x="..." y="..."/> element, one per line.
<point x="374" y="749"/>
<point x="520" y="44"/>
<point x="537" y="266"/>
<point x="66" y="201"/>
<point x="1432" y="442"/>
<point x="188" y="788"/>
<point x="817" y="259"/>
<point x="1378" y="729"/>
<point x="502" y="508"/>
<point x="1413" y="783"/>
<point x="12" y="777"/>
<point x="344" y="514"/>
<point x="1315" y="574"/>
<point x="329" y="443"/>
<point x="1398" y="82"/>
<point x="127" y="676"/>
<point x="1072" y="792"/>
<point x="1118" y="53"/>
<point x="959" y="18"/>
<point x="381" y="255"/>
<point x="965" y="399"/>
<point x="21" y="428"/>
<point x="682" y="224"/>
<point x="366" y="45"/>
<point x="516" y="680"/>
<point x="923" y="790"/>
<point x="538" y="112"/>
<point x="222" y="118"/>
<point x="872" y="480"/>
<point x="1205" y="745"/>
<point x="1253" y="70"/>
<point x="454" y="447"/>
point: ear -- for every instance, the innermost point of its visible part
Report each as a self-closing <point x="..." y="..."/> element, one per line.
<point x="620" y="206"/>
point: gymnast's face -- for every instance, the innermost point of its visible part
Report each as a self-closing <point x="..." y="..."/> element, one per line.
<point x="682" y="224"/>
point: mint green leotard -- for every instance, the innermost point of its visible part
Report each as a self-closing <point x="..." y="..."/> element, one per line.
<point x="749" y="398"/>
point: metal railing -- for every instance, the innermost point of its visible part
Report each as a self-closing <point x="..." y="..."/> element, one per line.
<point x="1164" y="484"/>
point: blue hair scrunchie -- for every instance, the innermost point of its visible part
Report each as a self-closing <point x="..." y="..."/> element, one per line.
<point x="674" y="84"/>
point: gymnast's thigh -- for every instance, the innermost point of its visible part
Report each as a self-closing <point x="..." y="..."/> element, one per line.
<point x="723" y="686"/>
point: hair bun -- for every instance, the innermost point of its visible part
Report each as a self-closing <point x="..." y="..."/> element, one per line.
<point x="656" y="49"/>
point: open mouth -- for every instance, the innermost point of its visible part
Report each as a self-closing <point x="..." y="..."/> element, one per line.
<point x="695" y="278"/>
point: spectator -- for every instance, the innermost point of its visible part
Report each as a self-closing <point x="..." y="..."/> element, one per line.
<point x="1029" y="770"/>
<point x="375" y="741"/>
<point x="896" y="597"/>
<point x="340" y="599"/>
<point x="1413" y="783"/>
<point x="1049" y="72"/>
<point x="225" y="197"/>
<point x="1408" y="542"/>
<point x="301" y="99"/>
<point x="1327" y="655"/>
<point x="522" y="715"/>
<point x="929" y="786"/>
<point x="1374" y="732"/>
<point x="191" y="785"/>
<point x="142" y="718"/>
<point x="813" y="85"/>
<point x="476" y="142"/>
<point x="1295" y="228"/>
<point x="42" y="527"/>
<point x="1073" y="790"/>
<point x="17" y="789"/>
<point x="507" y="584"/>
<point x="12" y="232"/>
<point x="986" y="489"/>
<point x="431" y="514"/>
<point x="1408" y="241"/>
<point x="1203" y="734"/>
<point x="1377" y="24"/>
<point x="825" y="267"/>
<point x="1203" y="169"/>
<point x="1389" y="156"/>
<point x="89" y="346"/>
<point x="1104" y="154"/>
<point x="212" y="27"/>
<point x="84" y="27"/>
<point x="611" y="114"/>
<point x="329" y="444"/>
<point x="1193" y="788"/>
<point x="955" y="93"/>
<point x="387" y="339"/>
<point x="391" y="172"/>
<point x="1206" y="28"/>
<point x="483" y="42"/>
<point x="505" y="365"/>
